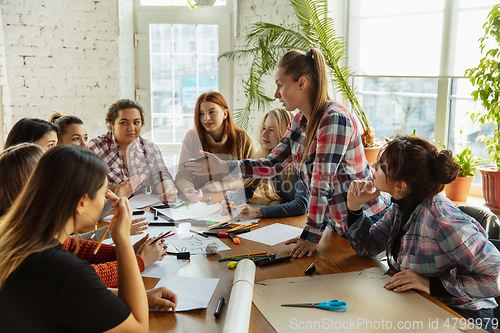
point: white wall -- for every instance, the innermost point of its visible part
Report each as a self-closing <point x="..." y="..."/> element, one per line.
<point x="64" y="55"/>
<point x="249" y="12"/>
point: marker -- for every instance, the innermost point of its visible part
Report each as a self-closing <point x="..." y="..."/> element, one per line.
<point x="155" y="217"/>
<point x="272" y="261"/>
<point x="216" y="234"/>
<point x="180" y="205"/>
<point x="162" y="224"/>
<point x="209" y="201"/>
<point x="219" y="307"/>
<point x="137" y="212"/>
<point x="235" y="239"/>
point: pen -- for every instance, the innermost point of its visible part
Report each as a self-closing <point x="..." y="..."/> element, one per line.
<point x="137" y="212"/>
<point x="219" y="307"/>
<point x="106" y="231"/>
<point x="243" y="256"/>
<point x="199" y="233"/>
<point x="161" y="224"/>
<point x="162" y="236"/>
<point x="240" y="231"/>
<point x="155" y="217"/>
<point x="161" y="182"/>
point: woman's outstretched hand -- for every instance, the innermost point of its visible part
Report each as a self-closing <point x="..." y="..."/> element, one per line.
<point x="212" y="165"/>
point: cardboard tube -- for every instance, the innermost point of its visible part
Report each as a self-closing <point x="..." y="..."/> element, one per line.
<point x="240" y="301"/>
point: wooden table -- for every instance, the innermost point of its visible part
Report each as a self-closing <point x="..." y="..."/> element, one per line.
<point x="334" y="255"/>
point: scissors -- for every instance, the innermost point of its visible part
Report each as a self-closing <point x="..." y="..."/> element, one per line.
<point x="332" y="305"/>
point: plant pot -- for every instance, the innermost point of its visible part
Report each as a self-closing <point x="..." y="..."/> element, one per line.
<point x="458" y="190"/>
<point x="205" y="2"/>
<point x="371" y="154"/>
<point x="491" y="188"/>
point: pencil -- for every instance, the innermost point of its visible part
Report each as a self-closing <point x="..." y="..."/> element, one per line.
<point x="219" y="224"/>
<point x="106" y="231"/>
<point x="162" y="236"/>
<point x="188" y="204"/>
<point x="220" y="203"/>
<point x="161" y="182"/>
<point x="240" y="227"/>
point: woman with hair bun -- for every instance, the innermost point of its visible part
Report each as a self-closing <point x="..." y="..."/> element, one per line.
<point x="431" y="245"/>
<point x="70" y="129"/>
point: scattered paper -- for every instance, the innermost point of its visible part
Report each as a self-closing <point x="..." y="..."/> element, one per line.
<point x="143" y="200"/>
<point x="272" y="234"/>
<point x="192" y="293"/>
<point x="168" y="266"/>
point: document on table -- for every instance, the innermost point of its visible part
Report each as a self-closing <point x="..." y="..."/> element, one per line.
<point x="198" y="210"/>
<point x="272" y="234"/>
<point x="168" y="266"/>
<point x="192" y="293"/>
<point x="144" y="200"/>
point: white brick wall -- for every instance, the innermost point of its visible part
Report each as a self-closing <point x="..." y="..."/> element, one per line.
<point x="249" y="12"/>
<point x="63" y="56"/>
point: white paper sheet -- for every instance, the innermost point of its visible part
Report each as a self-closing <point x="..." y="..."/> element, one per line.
<point x="272" y="234"/>
<point x="168" y="266"/>
<point x="197" y="210"/>
<point x="192" y="293"/>
<point x="144" y="200"/>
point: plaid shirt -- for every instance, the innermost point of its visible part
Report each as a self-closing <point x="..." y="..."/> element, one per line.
<point x="144" y="159"/>
<point x="440" y="241"/>
<point x="335" y="158"/>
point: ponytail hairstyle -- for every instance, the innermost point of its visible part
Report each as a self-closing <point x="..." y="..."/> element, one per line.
<point x="49" y="200"/>
<point x="62" y="122"/>
<point x="418" y="163"/>
<point x="282" y="119"/>
<point x="28" y="130"/>
<point x="228" y="125"/>
<point x="311" y="65"/>
<point x="16" y="164"/>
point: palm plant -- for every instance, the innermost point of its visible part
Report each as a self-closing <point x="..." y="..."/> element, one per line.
<point x="267" y="42"/>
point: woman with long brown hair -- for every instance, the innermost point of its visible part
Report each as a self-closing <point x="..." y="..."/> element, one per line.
<point x="323" y="142"/>
<point x="214" y="132"/>
<point x="44" y="288"/>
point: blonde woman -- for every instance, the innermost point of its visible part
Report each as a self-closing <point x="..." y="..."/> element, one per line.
<point x="286" y="186"/>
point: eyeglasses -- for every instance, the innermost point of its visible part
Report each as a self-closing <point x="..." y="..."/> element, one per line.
<point x="382" y="166"/>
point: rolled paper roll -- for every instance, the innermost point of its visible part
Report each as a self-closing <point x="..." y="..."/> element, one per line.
<point x="240" y="301"/>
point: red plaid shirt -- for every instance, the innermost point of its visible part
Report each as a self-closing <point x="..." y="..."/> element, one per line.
<point x="144" y="159"/>
<point x="336" y="157"/>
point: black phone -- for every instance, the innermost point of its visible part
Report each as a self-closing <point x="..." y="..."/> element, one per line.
<point x="199" y="159"/>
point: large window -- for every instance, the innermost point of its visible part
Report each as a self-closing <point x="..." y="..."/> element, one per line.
<point x="177" y="61"/>
<point x="410" y="59"/>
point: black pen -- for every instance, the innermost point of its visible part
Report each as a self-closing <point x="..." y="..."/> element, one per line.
<point x="161" y="224"/>
<point x="137" y="212"/>
<point x="219" y="307"/>
<point x="199" y="233"/>
<point x="155" y="217"/>
<point x="162" y="236"/>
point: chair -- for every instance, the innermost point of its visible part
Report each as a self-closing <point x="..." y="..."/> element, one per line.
<point x="491" y="224"/>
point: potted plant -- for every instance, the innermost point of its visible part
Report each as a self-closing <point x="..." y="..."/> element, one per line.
<point x="485" y="78"/>
<point x="458" y="190"/>
<point x="267" y="42"/>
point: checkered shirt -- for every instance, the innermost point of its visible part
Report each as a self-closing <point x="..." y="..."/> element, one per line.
<point x="144" y="159"/>
<point x="440" y="241"/>
<point x="336" y="157"/>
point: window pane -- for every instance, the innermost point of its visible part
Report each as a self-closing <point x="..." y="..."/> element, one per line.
<point x="399" y="105"/>
<point x="208" y="36"/>
<point x="390" y="38"/>
<point x="461" y="104"/>
<point x="179" y="78"/>
<point x="161" y="38"/>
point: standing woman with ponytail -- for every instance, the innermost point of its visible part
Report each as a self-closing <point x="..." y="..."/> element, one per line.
<point x="431" y="244"/>
<point x="322" y="141"/>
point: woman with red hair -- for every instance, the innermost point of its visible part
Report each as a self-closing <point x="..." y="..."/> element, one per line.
<point x="215" y="132"/>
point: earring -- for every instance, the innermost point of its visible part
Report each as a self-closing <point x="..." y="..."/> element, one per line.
<point x="95" y="224"/>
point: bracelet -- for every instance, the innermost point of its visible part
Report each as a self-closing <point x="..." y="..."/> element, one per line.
<point x="353" y="213"/>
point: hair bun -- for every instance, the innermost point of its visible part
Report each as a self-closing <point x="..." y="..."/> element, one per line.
<point x="445" y="168"/>
<point x="54" y="116"/>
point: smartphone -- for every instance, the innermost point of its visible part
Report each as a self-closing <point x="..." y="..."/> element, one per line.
<point x="199" y="159"/>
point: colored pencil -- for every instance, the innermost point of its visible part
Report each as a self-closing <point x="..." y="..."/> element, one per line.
<point x="106" y="231"/>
